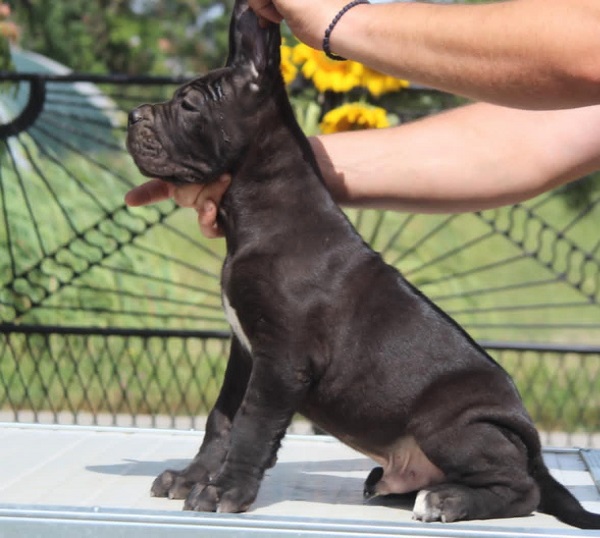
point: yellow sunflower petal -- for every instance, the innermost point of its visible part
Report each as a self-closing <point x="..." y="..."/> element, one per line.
<point x="288" y="69"/>
<point x="326" y="74"/>
<point x="377" y="83"/>
<point x="354" y="116"/>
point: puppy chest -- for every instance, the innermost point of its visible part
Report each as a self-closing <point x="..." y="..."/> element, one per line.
<point x="235" y="324"/>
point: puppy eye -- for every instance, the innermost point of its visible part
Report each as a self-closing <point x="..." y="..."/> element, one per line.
<point x="188" y="105"/>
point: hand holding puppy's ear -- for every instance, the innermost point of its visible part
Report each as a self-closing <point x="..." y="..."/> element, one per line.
<point x="266" y="11"/>
<point x="307" y="20"/>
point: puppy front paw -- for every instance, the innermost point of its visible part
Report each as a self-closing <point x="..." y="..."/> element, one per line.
<point x="215" y="498"/>
<point x="202" y="499"/>
<point x="178" y="484"/>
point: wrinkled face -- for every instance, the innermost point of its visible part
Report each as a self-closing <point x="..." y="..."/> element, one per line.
<point x="204" y="129"/>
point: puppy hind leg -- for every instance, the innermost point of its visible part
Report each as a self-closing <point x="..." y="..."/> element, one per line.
<point x="456" y="502"/>
<point x="487" y="474"/>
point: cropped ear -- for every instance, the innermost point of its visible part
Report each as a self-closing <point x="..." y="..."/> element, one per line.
<point x="250" y="44"/>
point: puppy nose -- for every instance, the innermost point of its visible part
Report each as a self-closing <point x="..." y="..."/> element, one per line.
<point x="135" y="115"/>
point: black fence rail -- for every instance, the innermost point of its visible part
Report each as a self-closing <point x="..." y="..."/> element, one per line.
<point x="112" y="314"/>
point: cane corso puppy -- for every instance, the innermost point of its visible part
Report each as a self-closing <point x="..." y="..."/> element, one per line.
<point x="324" y="327"/>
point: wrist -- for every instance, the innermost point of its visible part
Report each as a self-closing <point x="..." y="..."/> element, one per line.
<point x="336" y="19"/>
<point x="346" y="27"/>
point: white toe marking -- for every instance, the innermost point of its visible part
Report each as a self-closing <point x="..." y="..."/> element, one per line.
<point x="423" y="510"/>
<point x="420" y="507"/>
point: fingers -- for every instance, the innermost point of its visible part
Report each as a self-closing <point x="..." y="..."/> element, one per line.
<point x="266" y="11"/>
<point x="306" y="20"/>
<point x="207" y="206"/>
<point x="207" y="220"/>
<point x="205" y="199"/>
<point x="196" y="195"/>
<point x="155" y="190"/>
<point x="188" y="195"/>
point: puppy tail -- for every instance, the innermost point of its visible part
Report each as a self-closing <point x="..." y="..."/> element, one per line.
<point x="558" y="501"/>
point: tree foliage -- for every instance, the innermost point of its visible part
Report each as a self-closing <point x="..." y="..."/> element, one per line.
<point x="127" y="36"/>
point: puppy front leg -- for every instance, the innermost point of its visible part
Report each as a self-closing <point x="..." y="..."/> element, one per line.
<point x="273" y="395"/>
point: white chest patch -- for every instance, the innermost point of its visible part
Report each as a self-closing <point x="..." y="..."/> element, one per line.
<point x="235" y="324"/>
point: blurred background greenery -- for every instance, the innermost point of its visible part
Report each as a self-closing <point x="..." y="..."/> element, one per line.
<point x="153" y="37"/>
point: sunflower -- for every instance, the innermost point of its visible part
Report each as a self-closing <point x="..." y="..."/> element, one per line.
<point x="288" y="68"/>
<point x="326" y="74"/>
<point x="377" y="83"/>
<point x="354" y="117"/>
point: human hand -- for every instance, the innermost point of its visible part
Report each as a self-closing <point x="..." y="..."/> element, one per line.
<point x="307" y="19"/>
<point x="204" y="199"/>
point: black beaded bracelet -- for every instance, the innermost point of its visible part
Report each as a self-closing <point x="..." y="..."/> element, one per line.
<point x="326" y="47"/>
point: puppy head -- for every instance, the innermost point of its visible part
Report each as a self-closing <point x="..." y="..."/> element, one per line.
<point x="205" y="128"/>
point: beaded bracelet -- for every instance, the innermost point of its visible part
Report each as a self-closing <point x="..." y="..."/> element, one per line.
<point x="326" y="47"/>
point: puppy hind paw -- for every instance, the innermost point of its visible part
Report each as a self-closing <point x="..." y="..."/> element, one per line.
<point x="423" y="509"/>
<point x="443" y="505"/>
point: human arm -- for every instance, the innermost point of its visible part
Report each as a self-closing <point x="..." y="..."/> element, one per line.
<point x="470" y="158"/>
<point x="535" y="54"/>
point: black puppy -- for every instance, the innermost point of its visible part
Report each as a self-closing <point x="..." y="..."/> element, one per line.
<point x="322" y="326"/>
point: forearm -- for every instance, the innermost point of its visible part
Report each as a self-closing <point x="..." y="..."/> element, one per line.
<point x="475" y="157"/>
<point x="534" y="54"/>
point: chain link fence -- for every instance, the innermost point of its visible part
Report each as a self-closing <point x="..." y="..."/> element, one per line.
<point x="171" y="379"/>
